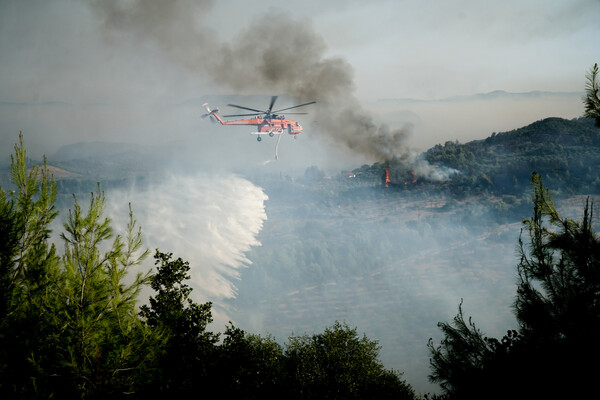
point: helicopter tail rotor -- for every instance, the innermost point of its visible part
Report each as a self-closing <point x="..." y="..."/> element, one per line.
<point x="209" y="113"/>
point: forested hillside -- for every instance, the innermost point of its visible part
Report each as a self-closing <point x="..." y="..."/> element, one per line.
<point x="565" y="153"/>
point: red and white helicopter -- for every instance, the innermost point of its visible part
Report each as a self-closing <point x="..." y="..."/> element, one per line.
<point x="267" y="122"/>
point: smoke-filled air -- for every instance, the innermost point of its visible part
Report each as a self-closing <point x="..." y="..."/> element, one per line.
<point x="403" y="197"/>
<point x="275" y="54"/>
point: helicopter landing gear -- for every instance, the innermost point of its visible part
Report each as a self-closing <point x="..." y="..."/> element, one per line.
<point x="258" y="138"/>
<point x="271" y="134"/>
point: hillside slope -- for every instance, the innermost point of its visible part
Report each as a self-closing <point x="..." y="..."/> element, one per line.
<point x="565" y="152"/>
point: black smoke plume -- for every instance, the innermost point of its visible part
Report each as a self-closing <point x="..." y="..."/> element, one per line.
<point x="275" y="54"/>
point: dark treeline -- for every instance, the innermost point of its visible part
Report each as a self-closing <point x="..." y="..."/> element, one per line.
<point x="71" y="325"/>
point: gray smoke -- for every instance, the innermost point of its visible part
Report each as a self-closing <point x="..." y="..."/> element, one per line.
<point x="275" y="54"/>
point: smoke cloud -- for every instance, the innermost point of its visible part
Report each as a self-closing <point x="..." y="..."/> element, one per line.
<point x="275" y="54"/>
<point x="209" y="220"/>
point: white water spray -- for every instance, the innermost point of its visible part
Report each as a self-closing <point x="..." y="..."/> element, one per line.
<point x="210" y="221"/>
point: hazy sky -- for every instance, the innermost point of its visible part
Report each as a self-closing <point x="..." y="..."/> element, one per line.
<point x="74" y="70"/>
<point x="441" y="48"/>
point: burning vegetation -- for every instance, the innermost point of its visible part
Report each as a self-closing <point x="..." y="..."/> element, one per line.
<point x="390" y="175"/>
<point x="399" y="175"/>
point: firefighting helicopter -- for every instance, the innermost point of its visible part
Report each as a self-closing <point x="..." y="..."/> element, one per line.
<point x="267" y="122"/>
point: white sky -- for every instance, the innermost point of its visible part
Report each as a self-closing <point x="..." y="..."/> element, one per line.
<point x="100" y="88"/>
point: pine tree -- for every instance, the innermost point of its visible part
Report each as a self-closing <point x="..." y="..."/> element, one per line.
<point x="29" y="273"/>
<point x="68" y="325"/>
<point x="558" y="310"/>
<point x="558" y="296"/>
<point x="457" y="363"/>
<point x="97" y="309"/>
<point x="592" y="97"/>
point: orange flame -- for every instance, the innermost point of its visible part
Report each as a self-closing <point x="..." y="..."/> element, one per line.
<point x="387" y="178"/>
<point x="413" y="178"/>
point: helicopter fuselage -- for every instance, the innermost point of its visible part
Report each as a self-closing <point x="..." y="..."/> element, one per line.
<point x="271" y="126"/>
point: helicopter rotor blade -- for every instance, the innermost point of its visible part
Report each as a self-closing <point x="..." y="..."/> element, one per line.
<point x="273" y="99"/>
<point x="245" y="108"/>
<point x="241" y="115"/>
<point x="300" y="105"/>
<point x="268" y="112"/>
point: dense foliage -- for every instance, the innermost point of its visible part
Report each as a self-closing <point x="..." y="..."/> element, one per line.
<point x="565" y="153"/>
<point x="71" y="325"/>
<point x="558" y="311"/>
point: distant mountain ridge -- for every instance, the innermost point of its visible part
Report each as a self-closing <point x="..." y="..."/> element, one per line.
<point x="493" y="95"/>
<point x="113" y="163"/>
<point x="86" y="150"/>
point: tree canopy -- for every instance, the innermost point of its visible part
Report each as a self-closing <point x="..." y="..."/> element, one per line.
<point x="558" y="311"/>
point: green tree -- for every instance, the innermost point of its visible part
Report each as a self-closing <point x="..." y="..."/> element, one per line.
<point x="250" y="366"/>
<point x="28" y="275"/>
<point x="558" y="296"/>
<point x="186" y="357"/>
<point x="558" y="310"/>
<point x="102" y="336"/>
<point x="69" y="326"/>
<point x="338" y="364"/>
<point x="457" y="363"/>
<point x="11" y="227"/>
<point x="591" y="100"/>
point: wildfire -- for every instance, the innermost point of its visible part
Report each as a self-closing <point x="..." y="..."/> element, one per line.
<point x="387" y="178"/>
<point x="412" y="179"/>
